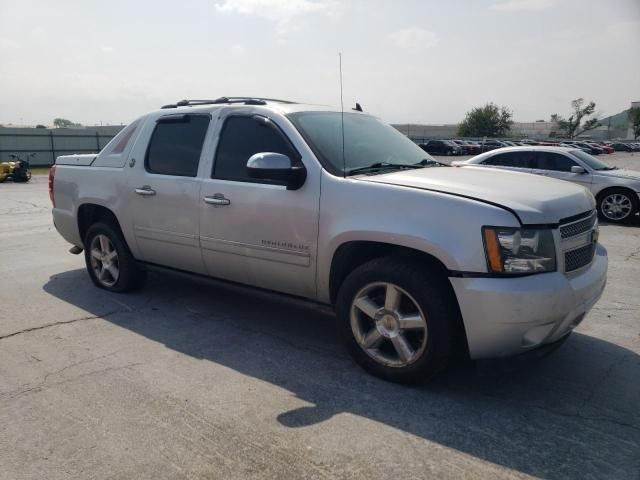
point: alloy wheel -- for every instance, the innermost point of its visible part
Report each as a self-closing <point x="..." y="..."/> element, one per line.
<point x="388" y="324"/>
<point x="104" y="260"/>
<point x="616" y="206"/>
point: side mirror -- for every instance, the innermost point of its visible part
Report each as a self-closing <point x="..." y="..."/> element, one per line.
<point x="578" y="169"/>
<point x="277" y="167"/>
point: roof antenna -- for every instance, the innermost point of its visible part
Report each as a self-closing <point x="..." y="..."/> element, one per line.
<point x="344" y="162"/>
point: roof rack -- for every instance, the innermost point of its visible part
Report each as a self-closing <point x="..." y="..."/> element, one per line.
<point x="225" y="100"/>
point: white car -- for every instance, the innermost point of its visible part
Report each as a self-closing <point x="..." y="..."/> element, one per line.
<point x="617" y="191"/>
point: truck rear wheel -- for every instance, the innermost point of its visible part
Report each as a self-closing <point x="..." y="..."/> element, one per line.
<point x="397" y="320"/>
<point x="110" y="263"/>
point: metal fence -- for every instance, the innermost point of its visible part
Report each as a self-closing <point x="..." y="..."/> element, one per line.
<point x="47" y="144"/>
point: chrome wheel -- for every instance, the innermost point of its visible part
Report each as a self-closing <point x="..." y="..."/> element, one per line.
<point x="388" y="324"/>
<point x="104" y="260"/>
<point x="616" y="206"/>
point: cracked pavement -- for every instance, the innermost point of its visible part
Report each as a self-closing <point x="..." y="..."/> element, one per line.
<point x="191" y="379"/>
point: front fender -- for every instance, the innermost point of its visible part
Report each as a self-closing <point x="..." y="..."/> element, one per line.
<point x="444" y="226"/>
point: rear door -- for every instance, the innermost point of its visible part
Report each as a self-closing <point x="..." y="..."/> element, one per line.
<point x="519" y="161"/>
<point x="164" y="190"/>
<point x="558" y="165"/>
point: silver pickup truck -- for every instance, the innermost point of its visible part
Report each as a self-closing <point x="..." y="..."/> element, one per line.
<point x="422" y="261"/>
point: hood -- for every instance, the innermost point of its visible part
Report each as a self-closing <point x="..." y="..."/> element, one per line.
<point x="620" y="173"/>
<point x="534" y="198"/>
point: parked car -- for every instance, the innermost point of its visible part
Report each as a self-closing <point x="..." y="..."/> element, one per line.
<point x="476" y="144"/>
<point x="617" y="191"/>
<point x="471" y="147"/>
<point x="575" y="145"/>
<point x="592" y="149"/>
<point x="607" y="148"/>
<point x="467" y="148"/>
<point x="441" y="147"/>
<point x="622" y="147"/>
<point x="420" y="261"/>
<point x="604" y="149"/>
<point x="490" y="144"/>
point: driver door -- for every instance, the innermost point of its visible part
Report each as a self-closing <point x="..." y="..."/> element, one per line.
<point x="253" y="231"/>
<point x="557" y="165"/>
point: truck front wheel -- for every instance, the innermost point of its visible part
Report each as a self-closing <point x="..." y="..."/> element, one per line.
<point x="396" y="319"/>
<point x="109" y="262"/>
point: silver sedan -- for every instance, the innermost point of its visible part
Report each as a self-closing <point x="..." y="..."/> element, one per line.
<point x="617" y="191"/>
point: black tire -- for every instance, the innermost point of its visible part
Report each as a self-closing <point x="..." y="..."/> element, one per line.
<point x="130" y="276"/>
<point x="22" y="176"/>
<point x="631" y="196"/>
<point x="433" y="296"/>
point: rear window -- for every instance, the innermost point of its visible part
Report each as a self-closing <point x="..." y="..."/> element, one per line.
<point x="176" y="144"/>
<point x="122" y="139"/>
<point x="511" y="159"/>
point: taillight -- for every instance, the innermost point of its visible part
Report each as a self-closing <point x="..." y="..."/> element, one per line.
<point x="52" y="174"/>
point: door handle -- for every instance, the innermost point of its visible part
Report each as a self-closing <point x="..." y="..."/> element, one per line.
<point x="217" y="199"/>
<point x="145" y="190"/>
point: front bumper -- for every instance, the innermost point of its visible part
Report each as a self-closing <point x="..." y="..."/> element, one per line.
<point x="509" y="316"/>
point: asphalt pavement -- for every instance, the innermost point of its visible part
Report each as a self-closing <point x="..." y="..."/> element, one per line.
<point x="187" y="379"/>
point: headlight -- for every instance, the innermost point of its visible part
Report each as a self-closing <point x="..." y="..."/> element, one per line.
<point x="516" y="250"/>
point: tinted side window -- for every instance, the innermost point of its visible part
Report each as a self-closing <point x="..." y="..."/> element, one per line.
<point x="242" y="137"/>
<point x="511" y="159"/>
<point x="554" y="161"/>
<point x="176" y="144"/>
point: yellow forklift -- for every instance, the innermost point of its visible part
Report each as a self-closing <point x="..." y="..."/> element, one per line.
<point x="17" y="169"/>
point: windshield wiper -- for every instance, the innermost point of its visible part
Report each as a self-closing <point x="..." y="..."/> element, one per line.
<point x="381" y="166"/>
<point x="428" y="162"/>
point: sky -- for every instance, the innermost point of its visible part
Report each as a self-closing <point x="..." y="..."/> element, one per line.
<point x="406" y="61"/>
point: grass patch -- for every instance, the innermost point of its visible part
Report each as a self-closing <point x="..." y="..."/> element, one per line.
<point x="40" y="170"/>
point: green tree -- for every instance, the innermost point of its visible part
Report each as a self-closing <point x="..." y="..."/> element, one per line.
<point x="634" y="118"/>
<point x="574" y="125"/>
<point x="63" y="122"/>
<point x="487" y="121"/>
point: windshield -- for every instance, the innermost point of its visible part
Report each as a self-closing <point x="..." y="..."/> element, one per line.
<point x="367" y="141"/>
<point x="592" y="161"/>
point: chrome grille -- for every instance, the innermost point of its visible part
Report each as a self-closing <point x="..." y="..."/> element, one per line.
<point x="579" y="257"/>
<point x="578" y="245"/>
<point x="576" y="228"/>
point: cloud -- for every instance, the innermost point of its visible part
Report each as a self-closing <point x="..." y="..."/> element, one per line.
<point x="279" y="11"/>
<point x="522" y="5"/>
<point x="238" y="49"/>
<point x="8" y="44"/>
<point x="106" y="49"/>
<point x="413" y="38"/>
